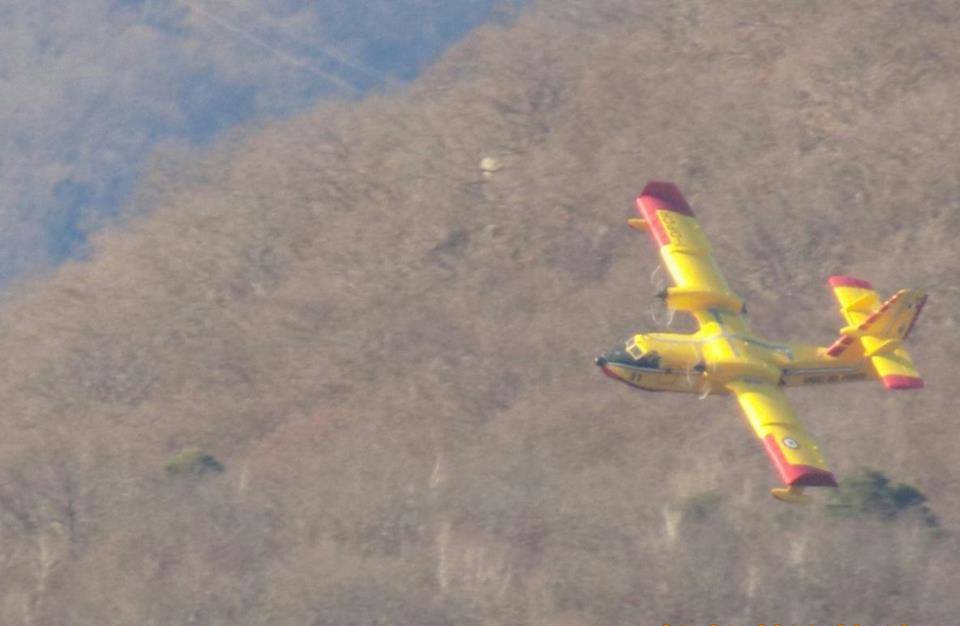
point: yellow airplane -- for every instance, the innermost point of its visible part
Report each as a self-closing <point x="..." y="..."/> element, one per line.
<point x="724" y="356"/>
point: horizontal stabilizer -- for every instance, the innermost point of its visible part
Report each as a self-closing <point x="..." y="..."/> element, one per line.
<point x="895" y="381"/>
<point x="878" y="329"/>
<point x="856" y="297"/>
<point x="894" y="367"/>
<point x="886" y="346"/>
<point x="864" y="304"/>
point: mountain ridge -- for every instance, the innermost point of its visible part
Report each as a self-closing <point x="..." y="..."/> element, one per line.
<point x="391" y="353"/>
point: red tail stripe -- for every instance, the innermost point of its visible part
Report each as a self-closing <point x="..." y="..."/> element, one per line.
<point x="839" y="345"/>
<point x="848" y="281"/>
<point x="873" y="316"/>
<point x="920" y="304"/>
<point x="895" y="381"/>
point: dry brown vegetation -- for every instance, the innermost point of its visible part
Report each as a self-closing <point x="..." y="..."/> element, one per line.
<point x="391" y="355"/>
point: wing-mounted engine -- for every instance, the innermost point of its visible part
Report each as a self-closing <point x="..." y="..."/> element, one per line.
<point x="693" y="299"/>
<point x="698" y="285"/>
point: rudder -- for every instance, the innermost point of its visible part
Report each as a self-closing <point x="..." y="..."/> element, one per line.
<point x="879" y="329"/>
<point x="883" y="339"/>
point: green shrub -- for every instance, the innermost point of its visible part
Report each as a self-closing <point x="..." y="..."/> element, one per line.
<point x="700" y="506"/>
<point x="192" y="462"/>
<point x="870" y="493"/>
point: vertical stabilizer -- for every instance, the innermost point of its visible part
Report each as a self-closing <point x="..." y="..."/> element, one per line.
<point x="878" y="329"/>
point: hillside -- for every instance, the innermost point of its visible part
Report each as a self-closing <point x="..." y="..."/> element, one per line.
<point x="391" y="354"/>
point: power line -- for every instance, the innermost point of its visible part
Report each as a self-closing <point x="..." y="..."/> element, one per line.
<point x="332" y="52"/>
<point x="257" y="41"/>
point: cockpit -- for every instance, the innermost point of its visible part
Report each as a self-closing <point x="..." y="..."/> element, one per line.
<point x="631" y="354"/>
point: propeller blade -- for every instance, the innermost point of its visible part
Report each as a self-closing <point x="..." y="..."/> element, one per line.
<point x="706" y="392"/>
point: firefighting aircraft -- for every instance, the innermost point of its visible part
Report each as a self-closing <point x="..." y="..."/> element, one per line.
<point x="724" y="356"/>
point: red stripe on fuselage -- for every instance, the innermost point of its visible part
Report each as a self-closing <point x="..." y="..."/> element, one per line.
<point x="798" y="475"/>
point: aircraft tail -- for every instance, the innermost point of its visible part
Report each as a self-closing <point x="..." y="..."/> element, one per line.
<point x="878" y="329"/>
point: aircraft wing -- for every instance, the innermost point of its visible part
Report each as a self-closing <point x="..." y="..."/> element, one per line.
<point x="794" y="454"/>
<point x="699" y="285"/>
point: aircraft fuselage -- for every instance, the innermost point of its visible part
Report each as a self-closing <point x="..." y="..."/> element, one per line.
<point x="724" y="349"/>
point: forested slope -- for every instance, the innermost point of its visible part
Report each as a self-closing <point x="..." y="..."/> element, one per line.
<point x="390" y="354"/>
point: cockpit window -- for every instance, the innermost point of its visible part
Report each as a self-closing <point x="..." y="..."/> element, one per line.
<point x="633" y="349"/>
<point x="650" y="359"/>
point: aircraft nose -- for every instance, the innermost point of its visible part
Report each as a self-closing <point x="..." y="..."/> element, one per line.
<point x="603" y="362"/>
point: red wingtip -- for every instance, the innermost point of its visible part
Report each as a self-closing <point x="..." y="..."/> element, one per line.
<point x="796" y="475"/>
<point x="849" y="281"/>
<point x="665" y="197"/>
<point x="902" y="382"/>
<point x="812" y="477"/>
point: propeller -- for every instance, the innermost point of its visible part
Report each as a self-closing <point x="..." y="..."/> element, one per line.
<point x="706" y="392"/>
<point x="702" y="368"/>
<point x="659" y="283"/>
<point x="657" y="279"/>
<point x="660" y="321"/>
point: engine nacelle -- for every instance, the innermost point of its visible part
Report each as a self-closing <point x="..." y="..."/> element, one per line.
<point x="687" y="299"/>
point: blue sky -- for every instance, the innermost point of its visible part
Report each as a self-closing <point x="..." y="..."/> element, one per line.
<point x="88" y="88"/>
